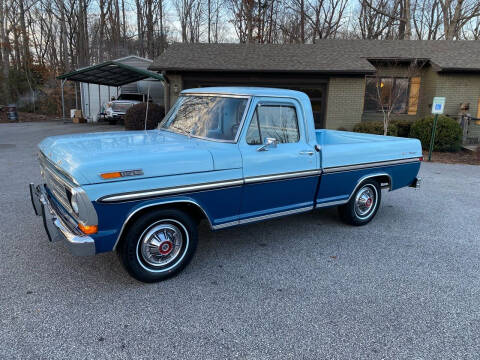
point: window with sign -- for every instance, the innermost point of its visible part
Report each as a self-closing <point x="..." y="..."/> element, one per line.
<point x="391" y="93"/>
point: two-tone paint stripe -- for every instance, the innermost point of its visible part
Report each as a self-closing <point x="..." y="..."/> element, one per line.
<point x="335" y="169"/>
<point x="178" y="190"/>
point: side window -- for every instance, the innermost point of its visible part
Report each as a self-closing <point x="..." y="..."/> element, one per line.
<point x="273" y="121"/>
<point x="253" y="132"/>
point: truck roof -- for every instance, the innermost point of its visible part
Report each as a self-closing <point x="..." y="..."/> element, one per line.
<point x="249" y="91"/>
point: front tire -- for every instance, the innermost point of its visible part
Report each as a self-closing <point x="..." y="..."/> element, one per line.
<point x="159" y="245"/>
<point x="363" y="205"/>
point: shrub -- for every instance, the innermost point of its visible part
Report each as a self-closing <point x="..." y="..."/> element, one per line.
<point x="375" y="127"/>
<point x="135" y="116"/>
<point x="448" y="136"/>
<point x="403" y="127"/>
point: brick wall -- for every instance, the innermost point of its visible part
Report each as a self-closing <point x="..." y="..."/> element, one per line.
<point x="344" y="102"/>
<point x="456" y="88"/>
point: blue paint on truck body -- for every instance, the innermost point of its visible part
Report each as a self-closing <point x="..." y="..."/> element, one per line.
<point x="231" y="182"/>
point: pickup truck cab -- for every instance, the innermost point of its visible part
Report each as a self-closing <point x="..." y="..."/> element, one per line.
<point x="230" y="156"/>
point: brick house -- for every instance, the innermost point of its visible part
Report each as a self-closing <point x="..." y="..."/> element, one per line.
<point x="340" y="76"/>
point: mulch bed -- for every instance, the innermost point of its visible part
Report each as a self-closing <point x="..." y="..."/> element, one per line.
<point x="461" y="157"/>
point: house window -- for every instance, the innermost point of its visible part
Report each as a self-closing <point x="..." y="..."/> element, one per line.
<point x="387" y="93"/>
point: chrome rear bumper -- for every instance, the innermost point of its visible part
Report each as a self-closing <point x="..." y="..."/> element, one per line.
<point x="56" y="228"/>
<point x="416" y="183"/>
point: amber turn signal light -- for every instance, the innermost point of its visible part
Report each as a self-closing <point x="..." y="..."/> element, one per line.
<point x="88" y="229"/>
<point x="111" y="175"/>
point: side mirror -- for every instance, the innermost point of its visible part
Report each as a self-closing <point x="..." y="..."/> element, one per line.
<point x="268" y="143"/>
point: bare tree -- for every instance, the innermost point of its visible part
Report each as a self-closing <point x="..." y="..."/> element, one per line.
<point x="427" y="19"/>
<point x="328" y="19"/>
<point x="385" y="15"/>
<point x="4" y="49"/>
<point x="456" y="14"/>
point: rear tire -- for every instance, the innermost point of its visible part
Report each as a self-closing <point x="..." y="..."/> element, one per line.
<point x="159" y="245"/>
<point x="363" y="205"/>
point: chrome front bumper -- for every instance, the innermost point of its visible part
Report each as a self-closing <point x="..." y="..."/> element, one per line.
<point x="57" y="230"/>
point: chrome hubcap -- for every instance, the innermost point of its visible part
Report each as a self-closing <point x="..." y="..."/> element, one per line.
<point x="365" y="201"/>
<point x="161" y="244"/>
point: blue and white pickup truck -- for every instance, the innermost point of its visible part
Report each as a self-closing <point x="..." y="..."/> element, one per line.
<point x="230" y="156"/>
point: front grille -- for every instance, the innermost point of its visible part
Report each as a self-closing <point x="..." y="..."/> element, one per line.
<point x="56" y="183"/>
<point x="121" y="107"/>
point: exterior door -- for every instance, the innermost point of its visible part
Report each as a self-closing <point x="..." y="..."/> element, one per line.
<point x="281" y="177"/>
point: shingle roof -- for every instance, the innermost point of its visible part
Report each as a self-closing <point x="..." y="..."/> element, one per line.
<point x="326" y="56"/>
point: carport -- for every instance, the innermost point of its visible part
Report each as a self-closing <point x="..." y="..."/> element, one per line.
<point x="110" y="73"/>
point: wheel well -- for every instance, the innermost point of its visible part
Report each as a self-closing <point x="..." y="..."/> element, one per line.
<point x="385" y="181"/>
<point x="189" y="208"/>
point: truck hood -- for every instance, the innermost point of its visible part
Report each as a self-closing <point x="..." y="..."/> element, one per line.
<point x="157" y="153"/>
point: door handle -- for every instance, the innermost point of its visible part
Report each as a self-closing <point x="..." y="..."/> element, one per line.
<point x="306" y="152"/>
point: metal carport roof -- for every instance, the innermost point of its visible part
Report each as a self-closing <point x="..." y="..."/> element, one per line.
<point x="110" y="73"/>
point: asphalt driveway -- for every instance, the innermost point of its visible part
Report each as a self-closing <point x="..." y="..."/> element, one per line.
<point x="406" y="286"/>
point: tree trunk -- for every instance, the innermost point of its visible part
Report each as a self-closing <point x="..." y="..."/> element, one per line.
<point x="149" y="20"/>
<point x="25" y="40"/>
<point x="140" y="28"/>
<point x="124" y="25"/>
<point x="302" y="21"/>
<point x="162" y="30"/>
<point x="4" y="44"/>
<point x="249" y="16"/>
<point x="408" y="19"/>
<point x="118" y="31"/>
<point x="101" y="31"/>
<point x="452" y="25"/>
<point x="209" y="4"/>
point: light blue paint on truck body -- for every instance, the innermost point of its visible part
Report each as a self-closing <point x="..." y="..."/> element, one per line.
<point x="230" y="181"/>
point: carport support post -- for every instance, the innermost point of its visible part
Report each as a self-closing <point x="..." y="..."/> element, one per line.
<point x="89" y="108"/>
<point x="63" y="99"/>
<point x="146" y="111"/>
<point x="432" y="140"/>
<point x="99" y="99"/>
<point x="76" y="96"/>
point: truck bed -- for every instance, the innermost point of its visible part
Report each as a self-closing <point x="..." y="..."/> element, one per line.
<point x="343" y="148"/>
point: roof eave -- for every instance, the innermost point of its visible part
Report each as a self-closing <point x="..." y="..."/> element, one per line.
<point x="291" y="71"/>
<point x="444" y="70"/>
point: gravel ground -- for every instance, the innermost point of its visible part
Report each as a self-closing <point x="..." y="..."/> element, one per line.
<point x="406" y="286"/>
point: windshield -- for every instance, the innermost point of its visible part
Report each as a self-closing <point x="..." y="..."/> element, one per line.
<point x="213" y="117"/>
